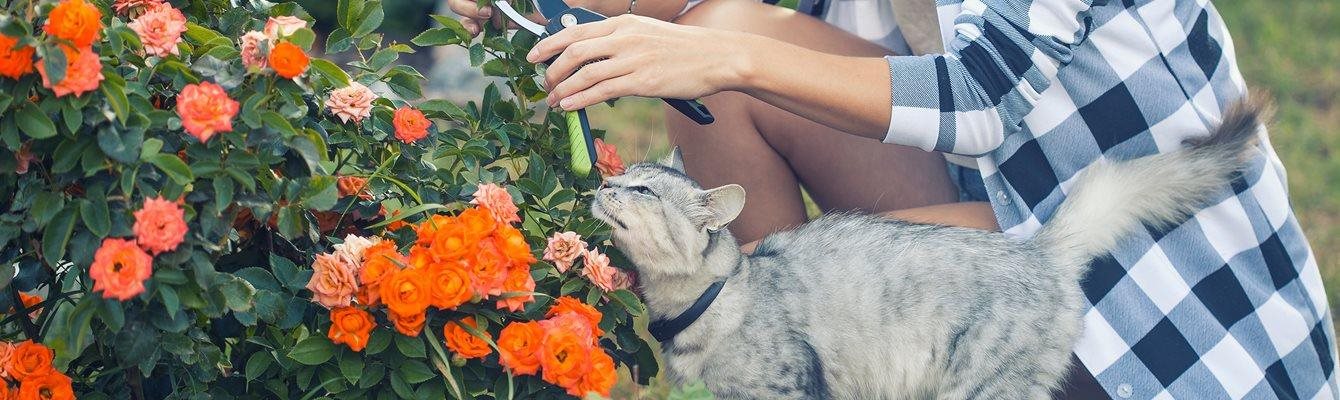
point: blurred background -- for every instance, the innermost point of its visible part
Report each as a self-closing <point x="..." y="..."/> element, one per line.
<point x="1289" y="48"/>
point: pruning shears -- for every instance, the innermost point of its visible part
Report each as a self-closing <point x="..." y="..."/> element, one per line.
<point x="561" y="16"/>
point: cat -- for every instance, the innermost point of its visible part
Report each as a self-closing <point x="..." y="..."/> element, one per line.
<point x="862" y="307"/>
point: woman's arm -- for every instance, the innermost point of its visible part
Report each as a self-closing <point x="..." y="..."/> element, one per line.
<point x="472" y="15"/>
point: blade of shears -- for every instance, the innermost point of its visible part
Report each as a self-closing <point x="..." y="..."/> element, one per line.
<point x="518" y="19"/>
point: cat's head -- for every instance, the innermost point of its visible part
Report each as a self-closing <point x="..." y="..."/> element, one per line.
<point x="661" y="219"/>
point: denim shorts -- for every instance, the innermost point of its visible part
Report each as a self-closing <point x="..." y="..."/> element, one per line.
<point x="969" y="183"/>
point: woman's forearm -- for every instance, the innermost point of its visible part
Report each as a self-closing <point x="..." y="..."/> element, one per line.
<point x="850" y="94"/>
<point x="664" y="10"/>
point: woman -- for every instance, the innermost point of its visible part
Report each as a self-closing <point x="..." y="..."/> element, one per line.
<point x="1228" y="304"/>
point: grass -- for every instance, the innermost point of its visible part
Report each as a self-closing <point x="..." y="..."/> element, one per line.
<point x="1289" y="48"/>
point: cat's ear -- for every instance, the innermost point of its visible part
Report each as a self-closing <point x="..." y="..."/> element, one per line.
<point x="674" y="160"/>
<point x="724" y="204"/>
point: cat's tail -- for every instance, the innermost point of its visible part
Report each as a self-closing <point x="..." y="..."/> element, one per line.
<point x="1113" y="199"/>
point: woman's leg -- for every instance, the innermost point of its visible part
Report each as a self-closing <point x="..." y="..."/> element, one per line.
<point x="771" y="152"/>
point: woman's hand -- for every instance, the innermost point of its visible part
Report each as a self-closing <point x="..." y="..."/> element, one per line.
<point x="639" y="56"/>
<point x="473" y="17"/>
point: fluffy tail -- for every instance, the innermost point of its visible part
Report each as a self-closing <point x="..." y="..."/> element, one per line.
<point x="1114" y="199"/>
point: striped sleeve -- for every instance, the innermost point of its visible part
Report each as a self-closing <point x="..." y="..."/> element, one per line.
<point x="1003" y="54"/>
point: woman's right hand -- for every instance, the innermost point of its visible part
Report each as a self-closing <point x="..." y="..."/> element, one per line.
<point x="473" y="17"/>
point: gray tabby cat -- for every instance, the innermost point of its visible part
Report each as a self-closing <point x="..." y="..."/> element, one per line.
<point x="861" y="307"/>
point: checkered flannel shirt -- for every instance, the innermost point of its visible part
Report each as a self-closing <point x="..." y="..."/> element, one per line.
<point x="1229" y="304"/>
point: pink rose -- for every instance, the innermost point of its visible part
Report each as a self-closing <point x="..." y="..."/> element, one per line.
<point x="624" y="279"/>
<point x="277" y="27"/>
<point x="563" y="249"/>
<point x="498" y="201"/>
<point x="351" y="251"/>
<point x="351" y="103"/>
<point x="596" y="268"/>
<point x="255" y="47"/>
<point x="160" y="29"/>
<point x="607" y="159"/>
<point x="333" y="283"/>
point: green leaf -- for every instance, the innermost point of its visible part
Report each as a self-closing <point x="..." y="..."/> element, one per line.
<point x="173" y="167"/>
<point x="372" y="375"/>
<point x="277" y="122"/>
<point x="346" y="11"/>
<point x="257" y="364"/>
<point x="313" y="350"/>
<point x="201" y="35"/>
<point x="404" y="85"/>
<point x="351" y="366"/>
<point x="307" y="149"/>
<point x="331" y="72"/>
<point x="57" y="235"/>
<point x="114" y="89"/>
<point x="321" y="193"/>
<point x="436" y="37"/>
<point x="285" y="272"/>
<point x="628" y="300"/>
<point x="378" y="341"/>
<point x="71" y="331"/>
<point x="54" y="62"/>
<point x="150" y="147"/>
<point x="414" y="371"/>
<point x="369" y="19"/>
<point x="95" y="215"/>
<point x="35" y="123"/>
<point x="450" y="22"/>
<point x="237" y="294"/>
<point x="476" y="54"/>
<point x="410" y="346"/>
<point x="121" y="144"/>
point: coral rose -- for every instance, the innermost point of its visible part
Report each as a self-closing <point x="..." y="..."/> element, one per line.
<point x="254" y="46"/>
<point x="205" y="109"/>
<point x="160" y="29"/>
<point x="6" y="350"/>
<point x="570" y="305"/>
<point x="563" y="249"/>
<point x="607" y="159"/>
<point x="564" y="356"/>
<point x="83" y="72"/>
<point x="517" y="288"/>
<point x="407" y="291"/>
<point x="333" y="282"/>
<point x="160" y="225"/>
<point x="350" y="326"/>
<point x="379" y="261"/>
<point x="29" y="359"/>
<point x="119" y="269"/>
<point x="518" y="347"/>
<point x="78" y="21"/>
<point x="462" y="342"/>
<point x="133" y="8"/>
<point x="278" y="27"/>
<point x="410" y="125"/>
<point x="488" y="269"/>
<point x="451" y="285"/>
<point x="353" y="186"/>
<point x="408" y="324"/>
<point x="15" y="61"/>
<point x="498" y="201"/>
<point x="53" y="386"/>
<point x="288" y="60"/>
<point x="513" y="245"/>
<point x="596" y="268"/>
<point x="599" y="379"/>
<point x="351" y="103"/>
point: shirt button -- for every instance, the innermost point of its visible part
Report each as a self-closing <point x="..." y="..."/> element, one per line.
<point x="1125" y="390"/>
<point x="1002" y="197"/>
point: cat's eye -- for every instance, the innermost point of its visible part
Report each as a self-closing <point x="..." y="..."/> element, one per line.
<point x="641" y="190"/>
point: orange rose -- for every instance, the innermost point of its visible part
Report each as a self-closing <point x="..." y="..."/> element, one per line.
<point x="565" y="356"/>
<point x="350" y="326"/>
<point x="53" y="386"/>
<point x="29" y="360"/>
<point x="288" y="60"/>
<point x="513" y="246"/>
<point x="488" y="269"/>
<point x="6" y="350"/>
<point x="518" y="281"/>
<point x="462" y="342"/>
<point x="451" y="242"/>
<point x="518" y="346"/>
<point x="205" y="109"/>
<point x="408" y="325"/>
<point x="451" y="285"/>
<point x="600" y="379"/>
<point x="407" y="291"/>
<point x="5" y="392"/>
<point x="607" y="159"/>
<point x="569" y="304"/>
<point x="83" y="72"/>
<point x="78" y="21"/>
<point x="353" y="186"/>
<point x="410" y="124"/>
<point x="478" y="222"/>
<point x="119" y="269"/>
<point x="15" y="62"/>
<point x="379" y="261"/>
<point x="30" y="303"/>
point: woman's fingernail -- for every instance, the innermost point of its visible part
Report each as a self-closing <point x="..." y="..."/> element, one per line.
<point x="486" y="12"/>
<point x="531" y="55"/>
<point x="566" y="104"/>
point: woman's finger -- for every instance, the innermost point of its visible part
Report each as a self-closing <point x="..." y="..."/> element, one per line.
<point x="470" y="26"/>
<point x="579" y="54"/>
<point x="588" y="77"/>
<point x="559" y="42"/>
<point x="470" y="9"/>
<point x="605" y="90"/>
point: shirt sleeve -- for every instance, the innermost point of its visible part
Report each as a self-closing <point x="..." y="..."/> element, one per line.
<point x="1004" y="53"/>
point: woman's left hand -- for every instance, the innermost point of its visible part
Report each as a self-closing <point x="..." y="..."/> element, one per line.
<point x="638" y="56"/>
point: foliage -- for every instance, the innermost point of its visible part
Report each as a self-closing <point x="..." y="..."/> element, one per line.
<point x="227" y="313"/>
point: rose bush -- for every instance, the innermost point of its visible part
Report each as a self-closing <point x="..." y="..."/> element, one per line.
<point x="197" y="206"/>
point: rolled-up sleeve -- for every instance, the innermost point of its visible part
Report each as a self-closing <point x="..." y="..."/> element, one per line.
<point x="1003" y="55"/>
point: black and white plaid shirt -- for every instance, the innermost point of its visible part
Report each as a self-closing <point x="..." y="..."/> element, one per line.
<point x="1227" y="305"/>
